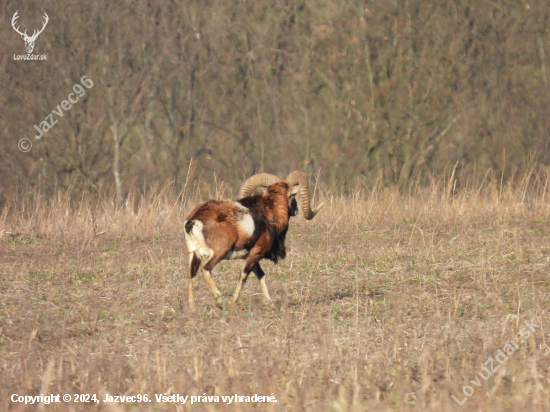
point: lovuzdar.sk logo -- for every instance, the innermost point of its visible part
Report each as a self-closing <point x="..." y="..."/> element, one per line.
<point x="29" y="40"/>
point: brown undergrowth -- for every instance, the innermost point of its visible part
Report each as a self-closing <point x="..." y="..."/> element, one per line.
<point x="389" y="300"/>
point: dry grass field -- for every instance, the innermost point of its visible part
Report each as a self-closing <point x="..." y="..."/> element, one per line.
<point x="387" y="301"/>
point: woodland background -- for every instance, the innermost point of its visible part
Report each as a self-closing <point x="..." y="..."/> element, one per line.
<point x="395" y="91"/>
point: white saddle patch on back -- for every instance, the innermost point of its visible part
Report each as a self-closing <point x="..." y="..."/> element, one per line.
<point x="240" y="207"/>
<point x="247" y="224"/>
<point x="245" y="219"/>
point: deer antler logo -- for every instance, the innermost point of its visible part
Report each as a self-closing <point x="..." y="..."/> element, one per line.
<point x="29" y="40"/>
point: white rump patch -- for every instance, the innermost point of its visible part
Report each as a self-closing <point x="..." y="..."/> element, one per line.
<point x="195" y="241"/>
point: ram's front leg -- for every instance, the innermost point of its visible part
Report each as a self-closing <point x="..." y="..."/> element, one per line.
<point x="242" y="280"/>
<point x="261" y="277"/>
<point x="251" y="261"/>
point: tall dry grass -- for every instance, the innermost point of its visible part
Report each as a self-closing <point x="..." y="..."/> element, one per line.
<point x="162" y="211"/>
<point x="390" y="299"/>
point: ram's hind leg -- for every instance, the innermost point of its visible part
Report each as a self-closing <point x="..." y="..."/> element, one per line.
<point x="261" y="277"/>
<point x="206" y="271"/>
<point x="194" y="264"/>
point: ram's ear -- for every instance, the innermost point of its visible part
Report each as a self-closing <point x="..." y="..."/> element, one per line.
<point x="293" y="190"/>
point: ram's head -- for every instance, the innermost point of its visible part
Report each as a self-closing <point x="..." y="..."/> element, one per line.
<point x="297" y="181"/>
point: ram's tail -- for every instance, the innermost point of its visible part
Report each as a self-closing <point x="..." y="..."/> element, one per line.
<point x="194" y="238"/>
<point x="189" y="226"/>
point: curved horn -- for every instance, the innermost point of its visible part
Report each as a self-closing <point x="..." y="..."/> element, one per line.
<point x="298" y="177"/>
<point x="261" y="179"/>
